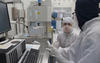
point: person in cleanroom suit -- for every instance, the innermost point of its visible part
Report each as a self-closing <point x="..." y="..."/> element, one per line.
<point x="67" y="37"/>
<point x="86" y="49"/>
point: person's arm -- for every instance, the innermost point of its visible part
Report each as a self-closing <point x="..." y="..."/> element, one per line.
<point x="85" y="50"/>
<point x="61" y="58"/>
<point x="92" y="51"/>
<point x="54" y="47"/>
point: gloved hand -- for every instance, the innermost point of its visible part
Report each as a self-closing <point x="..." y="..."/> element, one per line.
<point x="51" y="49"/>
<point x="54" y="52"/>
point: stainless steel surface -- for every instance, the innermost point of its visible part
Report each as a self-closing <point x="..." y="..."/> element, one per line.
<point x="43" y="54"/>
<point x="22" y="57"/>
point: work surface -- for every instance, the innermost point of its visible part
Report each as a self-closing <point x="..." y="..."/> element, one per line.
<point x="43" y="54"/>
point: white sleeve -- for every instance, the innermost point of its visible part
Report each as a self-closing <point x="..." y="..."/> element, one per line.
<point x="61" y="59"/>
<point x="92" y="49"/>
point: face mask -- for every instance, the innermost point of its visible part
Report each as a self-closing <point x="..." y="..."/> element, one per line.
<point x="67" y="29"/>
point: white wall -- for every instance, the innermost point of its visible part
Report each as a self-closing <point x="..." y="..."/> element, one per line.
<point x="64" y="3"/>
<point x="26" y="3"/>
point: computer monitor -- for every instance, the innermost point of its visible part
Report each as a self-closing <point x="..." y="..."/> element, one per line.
<point x="4" y="18"/>
<point x="4" y="21"/>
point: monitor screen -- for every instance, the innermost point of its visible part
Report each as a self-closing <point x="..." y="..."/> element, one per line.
<point x="4" y="18"/>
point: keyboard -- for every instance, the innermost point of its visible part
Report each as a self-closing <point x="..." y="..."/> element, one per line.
<point x="32" y="56"/>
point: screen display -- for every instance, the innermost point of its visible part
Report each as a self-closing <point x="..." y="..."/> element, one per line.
<point x="4" y="18"/>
